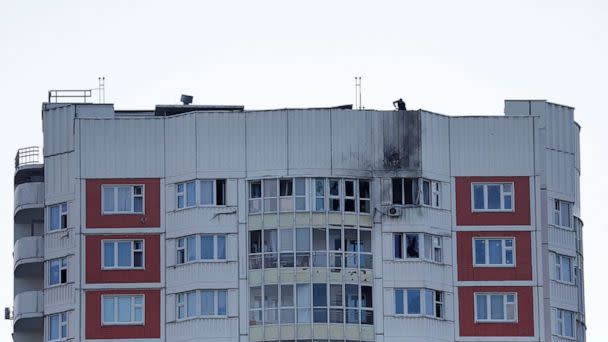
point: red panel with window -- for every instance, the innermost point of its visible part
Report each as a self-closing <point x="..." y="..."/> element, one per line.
<point x="122" y="314"/>
<point x="122" y="203"/>
<point x="491" y="256"/>
<point x="492" y="201"/>
<point x="122" y="258"/>
<point x="496" y="311"/>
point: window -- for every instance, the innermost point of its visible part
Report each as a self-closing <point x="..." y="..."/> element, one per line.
<point x="300" y="194"/>
<point x="492" y="197"/>
<point x="495" y="307"/>
<point x="204" y="247"/>
<point x="286" y="195"/>
<point x="201" y="303"/>
<point x="123" y="199"/>
<point x="564" y="268"/>
<point x="58" y="216"/>
<point x="418" y="246"/>
<point x="334" y="195"/>
<point x="422" y="302"/>
<point x="211" y="192"/>
<point x="564" y="323"/>
<point x="58" y="271"/>
<point x="122" y="309"/>
<point x="255" y="197"/>
<point x="364" y="197"/>
<point x="122" y="254"/>
<point x="58" y="326"/>
<point x="270" y="195"/>
<point x="563" y="214"/>
<point x="319" y="194"/>
<point x="416" y="191"/>
<point x="349" y="195"/>
<point x="494" y="252"/>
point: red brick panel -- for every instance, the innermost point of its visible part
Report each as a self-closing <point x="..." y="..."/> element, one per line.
<point x="150" y="328"/>
<point x="466" y="217"/>
<point x="523" y="258"/>
<point x="149" y="274"/>
<point x="150" y="217"/>
<point x="525" y="313"/>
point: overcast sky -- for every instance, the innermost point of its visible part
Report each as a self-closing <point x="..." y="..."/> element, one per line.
<point x="450" y="57"/>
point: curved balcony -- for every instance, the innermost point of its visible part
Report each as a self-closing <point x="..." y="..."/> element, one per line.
<point x="28" y="311"/>
<point x="29" y="201"/>
<point x="29" y="256"/>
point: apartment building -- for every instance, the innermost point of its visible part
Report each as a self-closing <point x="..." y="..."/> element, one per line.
<point x="215" y="223"/>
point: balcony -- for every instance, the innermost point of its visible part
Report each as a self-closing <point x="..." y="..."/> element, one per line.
<point x="29" y="202"/>
<point x="29" y="256"/>
<point x="28" y="312"/>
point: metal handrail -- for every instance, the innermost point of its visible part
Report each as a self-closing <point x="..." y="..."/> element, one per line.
<point x="27" y="156"/>
<point x="57" y="94"/>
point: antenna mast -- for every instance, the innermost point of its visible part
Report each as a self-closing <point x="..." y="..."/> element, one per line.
<point x="101" y="89"/>
<point x="358" y="104"/>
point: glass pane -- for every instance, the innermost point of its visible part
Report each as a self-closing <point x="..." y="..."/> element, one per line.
<point x="255" y="297"/>
<point x="334" y="187"/>
<point x="54" y="327"/>
<point x="270" y="188"/>
<point x="207" y="247"/>
<point x="367" y="317"/>
<point x="255" y="241"/>
<point x="124" y="309"/>
<point x="138" y="314"/>
<point x="349" y="188"/>
<point x="304" y="316"/>
<point x="192" y="298"/>
<point x="482" y="307"/>
<point x="397" y="185"/>
<point x="412" y="247"/>
<point x="319" y="259"/>
<point x="138" y="205"/>
<point x="319" y="315"/>
<point x="124" y="199"/>
<point x="318" y="239"/>
<point x="287" y="295"/>
<point x="349" y="205"/>
<point x="270" y="205"/>
<point x="54" y="272"/>
<point x="270" y="240"/>
<point x="363" y="189"/>
<point x="55" y="221"/>
<point x="302" y="259"/>
<point x="108" y="254"/>
<point x="124" y="253"/>
<point x="350" y="240"/>
<point x="426" y="192"/>
<point x="352" y="316"/>
<point x="335" y="239"/>
<point x="300" y="203"/>
<point x="509" y="257"/>
<point x="286" y="259"/>
<point x="303" y="239"/>
<point x="495" y="251"/>
<point x="493" y="196"/>
<point x="568" y="324"/>
<point x="286" y="204"/>
<point x="566" y="269"/>
<point x="191" y="247"/>
<point x="565" y="214"/>
<point x="108" y="309"/>
<point x="351" y="295"/>
<point x="497" y="307"/>
<point x="399" y="301"/>
<point x="478" y="197"/>
<point x="303" y="295"/>
<point x="398" y="241"/>
<point x="300" y="186"/>
<point x="413" y="302"/>
<point x="221" y="302"/>
<point x="271" y="296"/>
<point x="207" y="192"/>
<point x="221" y="247"/>
<point x="429" y="302"/>
<point x="190" y="194"/>
<point x="480" y="252"/>
<point x="207" y="305"/>
<point x="255" y="206"/>
<point x="336" y="315"/>
<point x="365" y="241"/>
<point x="320" y="204"/>
<point x="508" y="202"/>
<point x="366" y="297"/>
<point x="286" y="239"/>
<point x="255" y="190"/>
<point x="319" y="294"/>
<point x="285" y="187"/>
<point x="335" y="295"/>
<point x="288" y="316"/>
<point x="108" y="199"/>
<point x="138" y="259"/>
<point x="255" y="317"/>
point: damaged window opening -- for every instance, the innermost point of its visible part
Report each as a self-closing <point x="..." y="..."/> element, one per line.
<point x="416" y="191"/>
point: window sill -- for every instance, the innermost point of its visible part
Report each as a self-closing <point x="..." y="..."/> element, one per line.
<point x="496" y="322"/>
<point x="563" y="282"/>
<point x="570" y="338"/>
<point x="220" y="261"/>
<point x="123" y="268"/>
<point x="202" y="206"/>
<point x="485" y="211"/>
<point x="569" y="229"/>
<point x="125" y="213"/>
<point x="494" y="266"/>
<point x="418" y="316"/>
<point x="420" y="260"/>
<point x="179" y="320"/>
<point x="122" y="324"/>
<point x="48" y="287"/>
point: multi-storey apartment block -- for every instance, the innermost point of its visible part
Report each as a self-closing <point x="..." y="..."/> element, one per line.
<point x="200" y="223"/>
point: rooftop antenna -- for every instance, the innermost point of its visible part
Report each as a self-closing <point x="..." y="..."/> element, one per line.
<point x="358" y="104"/>
<point x="101" y="89"/>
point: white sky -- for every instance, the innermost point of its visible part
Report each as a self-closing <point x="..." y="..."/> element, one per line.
<point x="451" y="57"/>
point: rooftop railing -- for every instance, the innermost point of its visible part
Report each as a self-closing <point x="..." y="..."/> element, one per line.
<point x="27" y="156"/>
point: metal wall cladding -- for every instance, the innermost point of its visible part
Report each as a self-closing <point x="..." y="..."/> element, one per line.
<point x="488" y="146"/>
<point x="202" y="275"/>
<point x="58" y="128"/>
<point x="564" y="296"/>
<point x="59" y="177"/>
<point x="122" y="148"/>
<point x="180" y="148"/>
<point x="351" y="145"/>
<point x="310" y="140"/>
<point x="559" y="121"/>
<point x="414" y="329"/>
<point x="561" y="173"/>
<point x="435" y="144"/>
<point x="59" y="298"/>
<point x="266" y="143"/>
<point x="215" y="330"/>
<point x="221" y="144"/>
<point x="57" y="243"/>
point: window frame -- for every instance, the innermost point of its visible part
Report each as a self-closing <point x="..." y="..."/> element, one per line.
<point x="62" y="267"/>
<point x="133" y="251"/>
<point x="421" y="247"/>
<point x="132" y="199"/>
<point x="63" y="321"/>
<point x="422" y="293"/>
<point x="417" y="192"/>
<point x="560" y="323"/>
<point x="557" y="213"/>
<point x="503" y="193"/>
<point x="198" y="248"/>
<point x="504" y="249"/>
<point x="63" y="210"/>
<point x="559" y="265"/>
<point x="133" y="306"/>
<point x="181" y="300"/>
<point x="489" y="318"/>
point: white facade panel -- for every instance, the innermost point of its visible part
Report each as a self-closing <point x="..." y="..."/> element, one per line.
<point x="212" y="329"/>
<point x="180" y="146"/>
<point x="122" y="148"/>
<point x="266" y="143"/>
<point x="415" y="329"/>
<point x="562" y="240"/>
<point x="58" y="243"/>
<point x="202" y="275"/>
<point x="420" y="219"/>
<point x="59" y="175"/>
<point x="417" y="274"/>
<point x="58" y="128"/>
<point x="564" y="295"/>
<point x="309" y="141"/>
<point x="490" y="146"/>
<point x="59" y="298"/>
<point x="201" y="220"/>
<point x="559" y="122"/>
<point x="560" y="174"/>
<point x="351" y="144"/>
<point x="435" y="145"/>
<point x="221" y="144"/>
